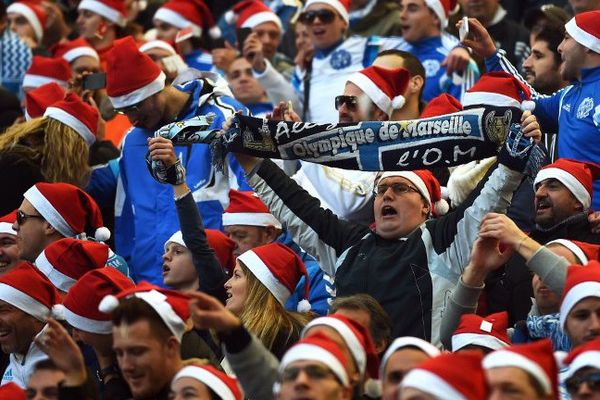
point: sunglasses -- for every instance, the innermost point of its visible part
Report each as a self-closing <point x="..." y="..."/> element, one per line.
<point x="21" y="217"/>
<point x="308" y="17"/>
<point x="134" y="109"/>
<point x="591" y="380"/>
<point x="351" y="102"/>
<point x="397" y="188"/>
<point x="290" y="374"/>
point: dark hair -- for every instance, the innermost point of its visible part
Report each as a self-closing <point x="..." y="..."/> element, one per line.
<point x="410" y="62"/>
<point x="380" y="327"/>
<point x="45" y="365"/>
<point x="552" y="35"/>
<point x="133" y="309"/>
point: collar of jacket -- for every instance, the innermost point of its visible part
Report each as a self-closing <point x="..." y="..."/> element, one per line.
<point x="572" y="228"/>
<point x="589" y="75"/>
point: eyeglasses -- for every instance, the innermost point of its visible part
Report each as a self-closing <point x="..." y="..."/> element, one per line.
<point x="397" y="188"/>
<point x="308" y="17"/>
<point x="592" y="380"/>
<point x="351" y="102"/>
<point x="21" y="217"/>
<point x="290" y="374"/>
<point x="129" y="110"/>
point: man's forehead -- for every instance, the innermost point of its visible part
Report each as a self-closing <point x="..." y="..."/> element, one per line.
<point x="267" y="26"/>
<point x="27" y="207"/>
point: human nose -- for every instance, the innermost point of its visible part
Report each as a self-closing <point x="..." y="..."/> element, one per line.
<point x="528" y="62"/>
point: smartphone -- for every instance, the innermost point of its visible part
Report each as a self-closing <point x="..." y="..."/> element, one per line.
<point x="94" y="81"/>
<point x="241" y="34"/>
<point x="464" y="29"/>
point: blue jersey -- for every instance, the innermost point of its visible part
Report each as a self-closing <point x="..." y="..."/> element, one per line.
<point x="200" y="60"/>
<point x="573" y="112"/>
<point x="145" y="214"/>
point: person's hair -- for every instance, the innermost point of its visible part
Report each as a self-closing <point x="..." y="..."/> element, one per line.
<point x="381" y="324"/>
<point x="264" y="316"/>
<point x="60" y="151"/>
<point x="46" y="365"/>
<point x="133" y="309"/>
<point x="410" y="63"/>
<point x="553" y="35"/>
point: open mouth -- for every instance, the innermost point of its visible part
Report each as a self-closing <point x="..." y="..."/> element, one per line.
<point x="318" y="32"/>
<point x="229" y="296"/>
<point x="4" y="334"/>
<point x="388" y="211"/>
<point x="542" y="205"/>
<point x="165" y="269"/>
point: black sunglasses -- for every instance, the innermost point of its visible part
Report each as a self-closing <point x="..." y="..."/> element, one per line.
<point x="21" y="217"/>
<point x="308" y="17"/>
<point x="592" y="380"/>
<point x="351" y="102"/>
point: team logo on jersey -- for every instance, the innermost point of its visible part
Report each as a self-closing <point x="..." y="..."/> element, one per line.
<point x="340" y="59"/>
<point x="431" y="67"/>
<point x="585" y="107"/>
<point x="596" y="117"/>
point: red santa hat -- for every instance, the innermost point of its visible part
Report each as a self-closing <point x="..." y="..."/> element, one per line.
<point x="250" y="13"/>
<point x="408" y="342"/>
<point x="341" y="6"/>
<point x="40" y="98"/>
<point x="440" y="105"/>
<point x="45" y="70"/>
<point x="488" y="332"/>
<point x="70" y="210"/>
<point x="450" y="376"/>
<point x="189" y="13"/>
<point x="7" y="222"/>
<point x="66" y="260"/>
<point x="12" y="391"/>
<point x="499" y="89"/>
<point x="536" y="358"/>
<point x="582" y="250"/>
<point x="580" y="283"/>
<point x="577" y="176"/>
<point x="585" y="30"/>
<point x="75" y="113"/>
<point x="443" y="9"/>
<point x="218" y="241"/>
<point x="225" y="386"/>
<point x="171" y="306"/>
<point x="246" y="208"/>
<point x="29" y="290"/>
<point x="278" y="268"/>
<point x="74" y="49"/>
<point x="428" y="186"/>
<point x="128" y="86"/>
<point x="320" y="348"/>
<point x="586" y="355"/>
<point x="384" y="86"/>
<point x="112" y="10"/>
<point x="158" y="44"/>
<point x="33" y="13"/>
<point x="82" y="301"/>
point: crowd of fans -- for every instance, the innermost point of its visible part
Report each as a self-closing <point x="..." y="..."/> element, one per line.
<point x="132" y="267"/>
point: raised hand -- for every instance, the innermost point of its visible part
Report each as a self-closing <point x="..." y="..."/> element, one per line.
<point x="478" y="38"/>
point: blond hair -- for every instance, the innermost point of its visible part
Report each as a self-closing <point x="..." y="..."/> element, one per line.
<point x="59" y="150"/>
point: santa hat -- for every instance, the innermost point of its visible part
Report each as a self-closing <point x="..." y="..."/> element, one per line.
<point x="278" y="268"/>
<point x="318" y="348"/>
<point x="428" y="186"/>
<point x="29" y="290"/>
<point x="74" y="49"/>
<point x="45" y="70"/>
<point x="75" y="113"/>
<point x="66" y="260"/>
<point x="443" y="9"/>
<point x="499" y="89"/>
<point x="33" y="13"/>
<point x="217" y="240"/>
<point x="577" y="176"/>
<point x="40" y="98"/>
<point x="440" y="105"/>
<point x="250" y="13"/>
<point x="464" y="178"/>
<point x="171" y="306"/>
<point x="128" y="86"/>
<point x="586" y="355"/>
<point x="82" y="300"/>
<point x="408" y="342"/>
<point x="189" y="13"/>
<point x="580" y="283"/>
<point x="70" y="210"/>
<point x="225" y="386"/>
<point x="158" y="44"/>
<point x="384" y="86"/>
<point x="488" y="332"/>
<point x="12" y="391"/>
<point x="341" y="6"/>
<point x="450" y="376"/>
<point x="246" y="208"/>
<point x="536" y="358"/>
<point x="7" y="221"/>
<point x="584" y="29"/>
<point x="112" y="10"/>
<point x="582" y="250"/>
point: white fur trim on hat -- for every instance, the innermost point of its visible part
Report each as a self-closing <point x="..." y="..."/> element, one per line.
<point x="47" y="210"/>
<point x="568" y="180"/>
<point x="575" y="295"/>
<point x="505" y="358"/>
<point x="251" y="219"/>
<point x="467" y="339"/>
<point x="158" y="301"/>
<point x="339" y="7"/>
<point x="102" y="9"/>
<point x="157" y="44"/>
<point x="431" y="383"/>
<point x="586" y="359"/>
<point x="404" y="342"/>
<point x="61" y="115"/>
<point x="58" y="279"/>
<point x="413" y="178"/>
<point x="7" y="227"/>
<point x="582" y="37"/>
<point x="140" y="94"/>
<point x="261" y="18"/>
<point x="177" y="20"/>
<point x="440" y="12"/>
<point x="36" y="81"/>
<point x="311" y="352"/>
<point x="87" y="324"/>
<point x="262" y="272"/>
<point x="573" y="248"/>
<point x="177" y="237"/>
<point x="23" y="302"/>
<point x="209" y="379"/>
<point x="490" y="99"/>
<point x="383" y="102"/>
<point x="77" y="52"/>
<point x="30" y="16"/>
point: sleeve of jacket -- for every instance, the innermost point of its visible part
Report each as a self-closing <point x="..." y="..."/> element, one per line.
<point x="277" y="87"/>
<point x="319" y="232"/>
<point x="462" y="300"/>
<point x="551" y="268"/>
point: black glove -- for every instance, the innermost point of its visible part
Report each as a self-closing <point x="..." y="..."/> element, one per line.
<point x="514" y="153"/>
<point x="174" y="175"/>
